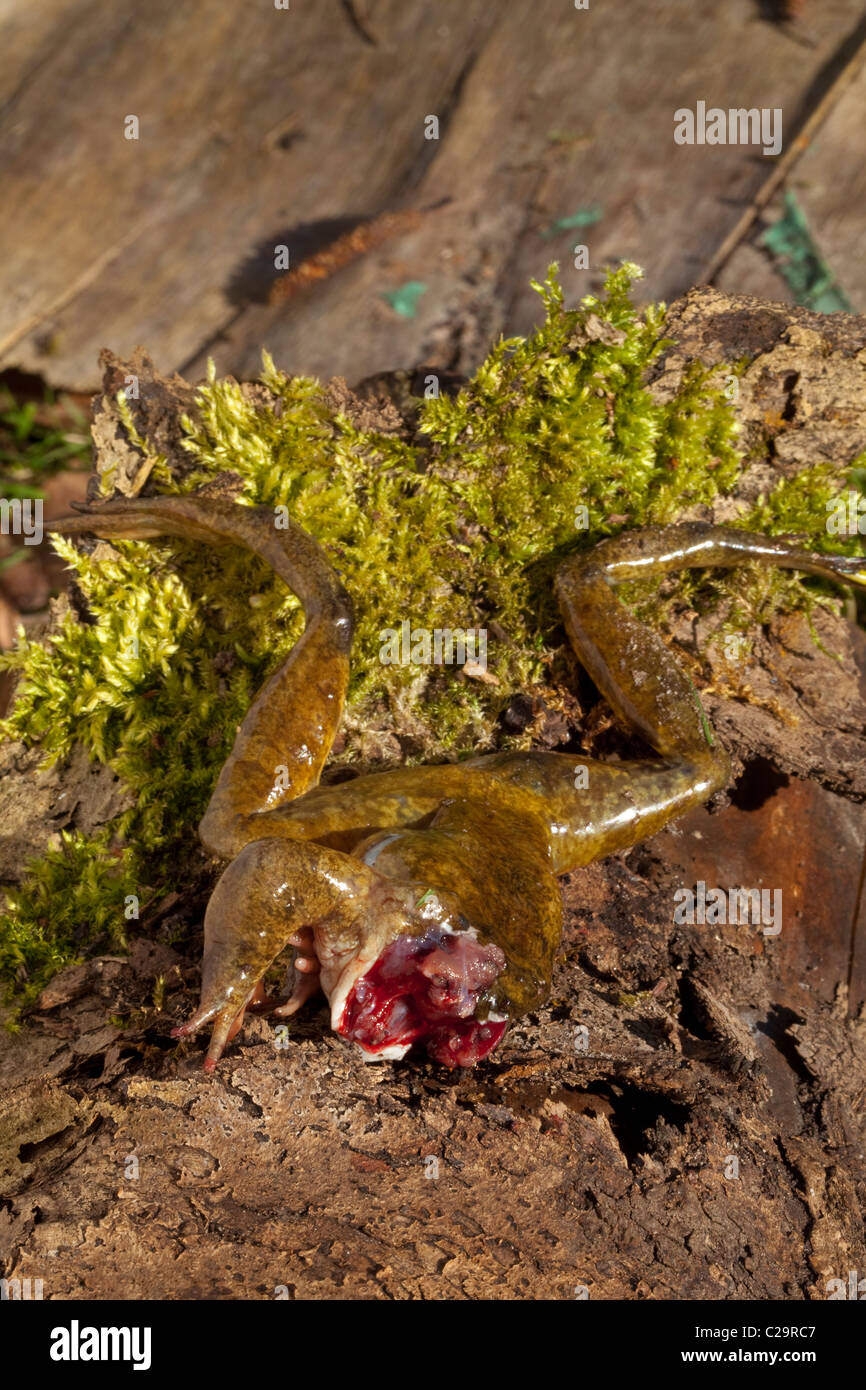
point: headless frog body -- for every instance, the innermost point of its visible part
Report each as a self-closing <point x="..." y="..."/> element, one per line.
<point x="424" y="901"/>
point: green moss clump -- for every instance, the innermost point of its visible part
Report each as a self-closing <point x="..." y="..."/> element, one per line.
<point x="554" y="443"/>
<point x="77" y="898"/>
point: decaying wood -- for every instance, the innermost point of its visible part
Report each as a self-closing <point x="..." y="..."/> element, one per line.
<point x="683" y="1119"/>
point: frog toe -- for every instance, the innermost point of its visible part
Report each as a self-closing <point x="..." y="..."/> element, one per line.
<point x="305" y="986"/>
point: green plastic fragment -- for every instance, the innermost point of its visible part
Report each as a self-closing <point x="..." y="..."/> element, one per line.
<point x="404" y="300"/>
<point x="799" y="261"/>
<point x="584" y="217"/>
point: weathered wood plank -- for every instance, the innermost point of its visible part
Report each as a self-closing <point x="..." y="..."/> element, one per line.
<point x="259" y="121"/>
<point x="830" y="185"/>
<point x="829" y="182"/>
<point x="252" y="120"/>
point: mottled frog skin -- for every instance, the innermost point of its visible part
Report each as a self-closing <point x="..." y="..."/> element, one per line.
<point x="424" y="901"/>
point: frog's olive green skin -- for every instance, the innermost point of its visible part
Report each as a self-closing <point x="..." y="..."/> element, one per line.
<point x="479" y="843"/>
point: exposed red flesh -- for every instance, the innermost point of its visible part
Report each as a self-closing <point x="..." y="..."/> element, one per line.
<point x="426" y="989"/>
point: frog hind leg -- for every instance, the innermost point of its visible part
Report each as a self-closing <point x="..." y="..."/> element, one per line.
<point x="286" y="736"/>
<point x="631" y="666"/>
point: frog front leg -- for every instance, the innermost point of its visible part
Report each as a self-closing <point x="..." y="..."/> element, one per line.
<point x="278" y="892"/>
<point x="392" y="954"/>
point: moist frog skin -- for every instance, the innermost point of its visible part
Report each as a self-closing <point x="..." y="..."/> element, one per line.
<point x="424" y="901"/>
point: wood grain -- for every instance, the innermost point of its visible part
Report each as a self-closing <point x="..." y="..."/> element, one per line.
<point x="260" y="125"/>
